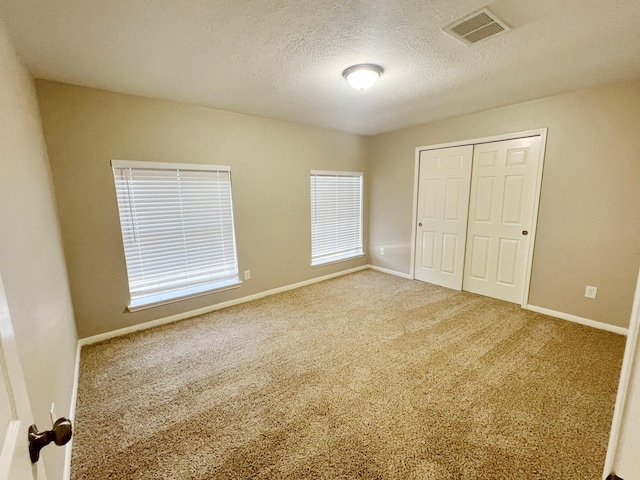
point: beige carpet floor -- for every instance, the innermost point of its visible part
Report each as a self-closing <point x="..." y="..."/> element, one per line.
<point x="364" y="376"/>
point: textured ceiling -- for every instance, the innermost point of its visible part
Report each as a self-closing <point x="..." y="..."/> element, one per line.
<point x="283" y="58"/>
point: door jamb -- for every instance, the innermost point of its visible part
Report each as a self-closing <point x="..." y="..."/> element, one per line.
<point x="540" y="132"/>
<point x="629" y="364"/>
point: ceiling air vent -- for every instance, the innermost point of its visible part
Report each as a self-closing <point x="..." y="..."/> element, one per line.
<point x="478" y="26"/>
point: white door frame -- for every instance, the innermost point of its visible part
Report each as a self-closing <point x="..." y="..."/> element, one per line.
<point x="630" y="365"/>
<point x="542" y="133"/>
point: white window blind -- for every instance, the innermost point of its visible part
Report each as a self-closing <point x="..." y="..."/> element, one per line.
<point x="336" y="216"/>
<point x="177" y="229"/>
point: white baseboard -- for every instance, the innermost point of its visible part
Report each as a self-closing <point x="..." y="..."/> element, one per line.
<point x="391" y="272"/>
<point x="580" y="320"/>
<point x="211" y="308"/>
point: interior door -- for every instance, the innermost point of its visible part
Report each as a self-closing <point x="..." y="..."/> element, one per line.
<point x="443" y="200"/>
<point x="15" y="411"/>
<point x="503" y="187"/>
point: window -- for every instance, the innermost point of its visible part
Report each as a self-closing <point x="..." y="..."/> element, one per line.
<point x="177" y="230"/>
<point x="336" y="216"/>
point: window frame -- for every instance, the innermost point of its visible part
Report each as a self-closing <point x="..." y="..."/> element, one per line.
<point x="186" y="292"/>
<point x="336" y="257"/>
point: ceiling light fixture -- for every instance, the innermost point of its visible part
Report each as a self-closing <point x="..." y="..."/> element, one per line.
<point x="362" y="76"/>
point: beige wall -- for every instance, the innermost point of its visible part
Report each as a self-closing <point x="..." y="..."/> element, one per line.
<point x="588" y="224"/>
<point x="31" y="257"/>
<point x="589" y="218"/>
<point x="270" y="164"/>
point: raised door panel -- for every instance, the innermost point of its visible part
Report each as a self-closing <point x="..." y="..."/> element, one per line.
<point x="507" y="261"/>
<point x="512" y="201"/>
<point x="449" y="251"/>
<point x="478" y="257"/>
<point x="428" y="250"/>
<point x="430" y="200"/>
<point x="452" y="210"/>
<point x="483" y="196"/>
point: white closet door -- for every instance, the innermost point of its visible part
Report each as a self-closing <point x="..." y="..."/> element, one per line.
<point x="443" y="200"/>
<point x="503" y="187"/>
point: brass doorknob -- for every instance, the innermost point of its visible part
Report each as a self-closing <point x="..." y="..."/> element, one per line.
<point x="525" y="232"/>
<point x="420" y="224"/>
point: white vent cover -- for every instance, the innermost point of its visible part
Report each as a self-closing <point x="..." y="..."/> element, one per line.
<point x="477" y="26"/>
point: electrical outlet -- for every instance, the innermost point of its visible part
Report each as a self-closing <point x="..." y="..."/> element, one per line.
<point x="590" y="292"/>
<point x="382" y="251"/>
<point x="247" y="274"/>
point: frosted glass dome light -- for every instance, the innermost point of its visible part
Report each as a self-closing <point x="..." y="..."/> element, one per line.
<point x="362" y="76"/>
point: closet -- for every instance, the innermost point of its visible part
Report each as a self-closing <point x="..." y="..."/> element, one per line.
<point x="475" y="216"/>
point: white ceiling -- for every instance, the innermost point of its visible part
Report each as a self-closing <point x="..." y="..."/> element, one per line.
<point x="284" y="58"/>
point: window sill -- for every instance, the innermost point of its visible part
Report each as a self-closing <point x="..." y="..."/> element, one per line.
<point x="342" y="258"/>
<point x="165" y="299"/>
